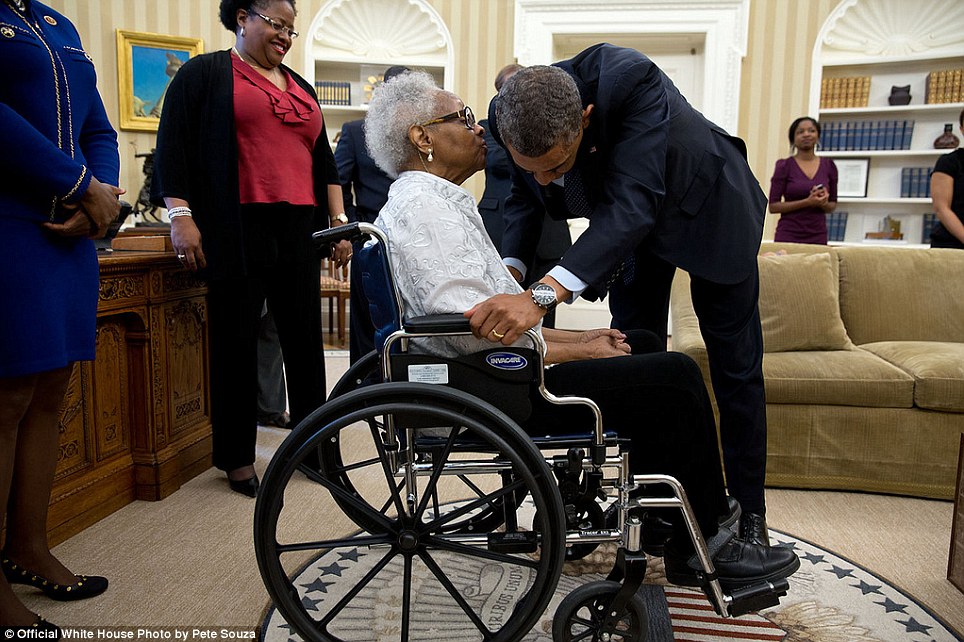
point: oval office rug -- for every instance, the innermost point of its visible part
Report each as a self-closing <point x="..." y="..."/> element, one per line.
<point x="831" y="600"/>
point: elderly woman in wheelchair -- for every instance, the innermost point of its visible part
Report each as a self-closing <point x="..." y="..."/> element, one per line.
<point x="491" y="477"/>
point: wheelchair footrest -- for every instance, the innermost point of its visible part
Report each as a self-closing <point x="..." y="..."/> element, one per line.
<point x="515" y="542"/>
<point x="754" y="598"/>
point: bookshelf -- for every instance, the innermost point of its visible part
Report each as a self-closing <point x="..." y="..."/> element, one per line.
<point x="853" y="74"/>
<point x="351" y="42"/>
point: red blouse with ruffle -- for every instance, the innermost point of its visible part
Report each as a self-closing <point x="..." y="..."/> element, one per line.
<point x="276" y="133"/>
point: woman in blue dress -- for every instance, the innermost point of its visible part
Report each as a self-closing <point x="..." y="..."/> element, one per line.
<point x="59" y="164"/>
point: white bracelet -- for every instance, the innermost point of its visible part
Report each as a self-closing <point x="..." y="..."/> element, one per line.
<point x="174" y="212"/>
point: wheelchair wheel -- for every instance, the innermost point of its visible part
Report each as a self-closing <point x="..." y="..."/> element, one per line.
<point x="408" y="574"/>
<point x="363" y="372"/>
<point x="367" y="371"/>
<point x="582" y="614"/>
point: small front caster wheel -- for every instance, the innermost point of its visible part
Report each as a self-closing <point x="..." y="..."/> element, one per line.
<point x="583" y="613"/>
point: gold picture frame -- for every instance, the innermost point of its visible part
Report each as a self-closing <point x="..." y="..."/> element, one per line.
<point x="146" y="62"/>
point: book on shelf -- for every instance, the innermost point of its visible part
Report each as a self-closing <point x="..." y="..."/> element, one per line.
<point x="946" y="86"/>
<point x="333" y="92"/>
<point x="915" y="182"/>
<point x="836" y="225"/>
<point x="927" y="226"/>
<point x="845" y="92"/>
<point x="867" y="135"/>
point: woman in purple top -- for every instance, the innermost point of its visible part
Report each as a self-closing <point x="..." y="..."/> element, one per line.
<point x="803" y="188"/>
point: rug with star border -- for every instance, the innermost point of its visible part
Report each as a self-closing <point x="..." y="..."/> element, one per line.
<point x="831" y="599"/>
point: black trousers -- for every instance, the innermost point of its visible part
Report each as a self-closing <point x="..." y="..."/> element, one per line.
<point x="282" y="267"/>
<point x="729" y="320"/>
<point x="657" y="400"/>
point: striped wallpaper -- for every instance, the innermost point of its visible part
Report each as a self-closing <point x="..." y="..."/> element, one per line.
<point x="774" y="88"/>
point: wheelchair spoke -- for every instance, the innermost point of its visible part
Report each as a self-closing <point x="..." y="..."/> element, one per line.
<point x="331" y="544"/>
<point x="390" y="500"/>
<point x="356" y="466"/>
<point x="471" y="506"/>
<point x="369" y="576"/>
<point x="587" y="634"/>
<point x="406" y="598"/>
<point x="484" y="553"/>
<point x="389" y="474"/>
<point x="468" y="482"/>
<point x="438" y="464"/>
<point x="455" y="594"/>
<point x="351" y="499"/>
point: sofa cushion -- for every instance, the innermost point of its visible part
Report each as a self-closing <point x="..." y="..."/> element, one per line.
<point x="901" y="294"/>
<point x="937" y="368"/>
<point x="799" y="305"/>
<point x="836" y="378"/>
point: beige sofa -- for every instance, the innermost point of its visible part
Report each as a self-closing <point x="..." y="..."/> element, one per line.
<point x="864" y="365"/>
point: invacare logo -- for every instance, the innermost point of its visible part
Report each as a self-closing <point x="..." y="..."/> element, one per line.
<point x="506" y="361"/>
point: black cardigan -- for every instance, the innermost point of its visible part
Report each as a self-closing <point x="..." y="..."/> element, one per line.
<point x="196" y="159"/>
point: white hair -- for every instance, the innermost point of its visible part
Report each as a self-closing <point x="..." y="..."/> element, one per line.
<point x="398" y="104"/>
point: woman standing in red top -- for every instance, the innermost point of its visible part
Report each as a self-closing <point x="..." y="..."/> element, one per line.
<point x="803" y="188"/>
<point x="244" y="167"/>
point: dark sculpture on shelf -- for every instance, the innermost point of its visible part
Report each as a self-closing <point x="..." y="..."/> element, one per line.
<point x="143" y="208"/>
<point x="899" y="95"/>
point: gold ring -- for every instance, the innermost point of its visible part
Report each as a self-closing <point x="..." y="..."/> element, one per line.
<point x="496" y="334"/>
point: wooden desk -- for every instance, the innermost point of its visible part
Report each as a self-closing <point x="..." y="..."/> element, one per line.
<point x="136" y="422"/>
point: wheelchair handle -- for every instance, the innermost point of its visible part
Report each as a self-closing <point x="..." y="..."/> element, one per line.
<point x="324" y="239"/>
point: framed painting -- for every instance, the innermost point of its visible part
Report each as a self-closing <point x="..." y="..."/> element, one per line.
<point x="146" y="63"/>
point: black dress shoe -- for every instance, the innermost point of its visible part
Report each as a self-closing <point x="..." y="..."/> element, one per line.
<point x="275" y="421"/>
<point x="753" y="529"/>
<point x="247" y="486"/>
<point x="737" y="563"/>
<point x="85" y="586"/>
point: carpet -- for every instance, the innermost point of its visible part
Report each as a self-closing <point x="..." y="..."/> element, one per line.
<point x="831" y="600"/>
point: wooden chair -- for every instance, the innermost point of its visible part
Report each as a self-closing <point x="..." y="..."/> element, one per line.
<point x="335" y="287"/>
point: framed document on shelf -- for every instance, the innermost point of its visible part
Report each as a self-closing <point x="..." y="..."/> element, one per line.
<point x="852" y="176"/>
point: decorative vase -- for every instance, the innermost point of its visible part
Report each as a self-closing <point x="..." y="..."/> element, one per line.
<point x="899" y="95"/>
<point x="947" y="140"/>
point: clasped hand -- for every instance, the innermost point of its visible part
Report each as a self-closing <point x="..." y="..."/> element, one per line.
<point x="93" y="214"/>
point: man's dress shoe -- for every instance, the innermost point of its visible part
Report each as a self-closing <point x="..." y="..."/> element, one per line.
<point x="753" y="529"/>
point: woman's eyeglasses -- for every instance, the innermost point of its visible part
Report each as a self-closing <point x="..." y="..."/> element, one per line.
<point x="465" y="114"/>
<point x="277" y="26"/>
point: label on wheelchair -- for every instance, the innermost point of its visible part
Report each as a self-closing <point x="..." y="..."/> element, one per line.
<point x="429" y="373"/>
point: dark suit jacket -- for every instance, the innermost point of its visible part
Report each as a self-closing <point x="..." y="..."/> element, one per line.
<point x="658" y="173"/>
<point x="554" y="239"/>
<point x="358" y="172"/>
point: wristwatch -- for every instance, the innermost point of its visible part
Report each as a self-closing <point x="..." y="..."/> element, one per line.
<point x="544" y="296"/>
<point x="341" y="218"/>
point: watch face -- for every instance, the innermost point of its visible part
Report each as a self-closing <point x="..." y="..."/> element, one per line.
<point x="543" y="295"/>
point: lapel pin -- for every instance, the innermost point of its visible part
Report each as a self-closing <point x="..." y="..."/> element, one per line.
<point x="51" y="21"/>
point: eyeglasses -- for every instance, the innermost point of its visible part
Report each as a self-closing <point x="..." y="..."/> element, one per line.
<point x="464" y="114"/>
<point x="277" y="26"/>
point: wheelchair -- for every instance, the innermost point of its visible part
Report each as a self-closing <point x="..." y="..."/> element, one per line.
<point x="417" y="466"/>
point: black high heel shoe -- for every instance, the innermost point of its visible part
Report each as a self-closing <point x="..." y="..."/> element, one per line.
<point x="247" y="486"/>
<point x="86" y="585"/>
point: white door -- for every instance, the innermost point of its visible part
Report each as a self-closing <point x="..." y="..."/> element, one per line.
<point x="681" y="57"/>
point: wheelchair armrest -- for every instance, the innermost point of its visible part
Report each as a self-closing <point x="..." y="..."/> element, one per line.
<point x="323" y="239"/>
<point x="438" y="323"/>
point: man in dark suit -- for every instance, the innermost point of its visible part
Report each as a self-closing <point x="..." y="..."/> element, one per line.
<point x="365" y="190"/>
<point x="607" y="136"/>
<point x="555" y="238"/>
